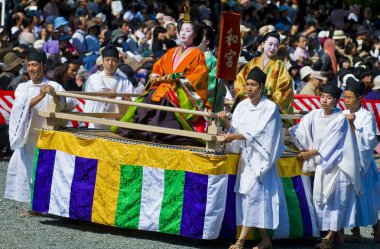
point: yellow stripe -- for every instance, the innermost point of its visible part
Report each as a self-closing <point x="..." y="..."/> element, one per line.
<point x="114" y="153"/>
<point x="289" y="167"/>
<point x="106" y="193"/>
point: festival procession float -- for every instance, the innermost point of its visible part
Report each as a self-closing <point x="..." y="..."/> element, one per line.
<point x="97" y="175"/>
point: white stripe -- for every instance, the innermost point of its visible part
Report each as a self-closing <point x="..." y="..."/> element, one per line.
<point x="307" y="187"/>
<point x="215" y="206"/>
<point x="377" y="105"/>
<point x="151" y="198"/>
<point x="63" y="173"/>
<point x="5" y="114"/>
<point x="341" y="105"/>
<point x="303" y="108"/>
<point x="5" y="106"/>
<point x="311" y="104"/>
<point x="9" y="98"/>
<point x="317" y="102"/>
<point x="369" y="107"/>
<point x="283" y="228"/>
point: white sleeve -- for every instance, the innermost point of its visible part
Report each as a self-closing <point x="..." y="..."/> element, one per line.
<point x="19" y="119"/>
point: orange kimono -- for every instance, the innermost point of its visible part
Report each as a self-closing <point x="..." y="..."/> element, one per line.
<point x="189" y="93"/>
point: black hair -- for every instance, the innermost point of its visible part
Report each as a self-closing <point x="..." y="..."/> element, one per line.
<point x="197" y="29"/>
<point x="348" y="47"/>
<point x="157" y="30"/>
<point x="342" y="60"/>
<point x="209" y="33"/>
<point x="271" y="34"/>
<point x="27" y="20"/>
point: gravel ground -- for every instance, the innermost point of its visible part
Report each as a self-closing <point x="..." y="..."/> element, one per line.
<point x="55" y="232"/>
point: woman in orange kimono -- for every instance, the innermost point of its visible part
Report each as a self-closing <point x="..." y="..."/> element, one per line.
<point x="167" y="89"/>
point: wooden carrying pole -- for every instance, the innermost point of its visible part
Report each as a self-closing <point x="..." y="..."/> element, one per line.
<point x="212" y="137"/>
<point x="142" y="105"/>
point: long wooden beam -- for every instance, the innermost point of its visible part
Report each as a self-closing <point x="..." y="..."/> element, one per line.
<point x="103" y="94"/>
<point x="134" y="126"/>
<point x="143" y="105"/>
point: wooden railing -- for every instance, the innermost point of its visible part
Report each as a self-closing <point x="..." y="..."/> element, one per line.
<point x="213" y="137"/>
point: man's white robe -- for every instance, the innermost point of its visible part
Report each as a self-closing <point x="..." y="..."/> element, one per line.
<point x="99" y="82"/>
<point x="23" y="136"/>
<point x="258" y="184"/>
<point x="365" y="132"/>
<point x="337" y="178"/>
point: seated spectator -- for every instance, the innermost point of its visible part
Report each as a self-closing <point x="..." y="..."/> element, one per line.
<point x="66" y="76"/>
<point x="301" y="51"/>
<point x="314" y="84"/>
<point x="375" y="93"/>
<point x="11" y="67"/>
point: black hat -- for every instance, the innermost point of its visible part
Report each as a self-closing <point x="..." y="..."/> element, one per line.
<point x="64" y="37"/>
<point x="333" y="90"/>
<point x="35" y="55"/>
<point x="344" y="71"/>
<point x="110" y="51"/>
<point x="361" y="72"/>
<point x="258" y="75"/>
<point x="354" y="86"/>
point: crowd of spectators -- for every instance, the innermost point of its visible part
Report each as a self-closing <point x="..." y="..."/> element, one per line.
<point x="321" y="41"/>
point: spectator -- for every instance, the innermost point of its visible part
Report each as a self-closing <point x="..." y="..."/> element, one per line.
<point x="314" y="84"/>
<point x="11" y="67"/>
<point x="301" y="51"/>
<point x="375" y="93"/>
<point x="66" y="76"/>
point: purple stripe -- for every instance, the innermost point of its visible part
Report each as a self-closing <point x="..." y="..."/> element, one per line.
<point x="82" y="188"/>
<point x="194" y="205"/>
<point x="306" y="219"/>
<point x="42" y="180"/>
<point x="228" y="230"/>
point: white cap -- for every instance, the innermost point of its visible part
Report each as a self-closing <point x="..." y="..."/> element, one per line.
<point x="376" y="81"/>
<point x="305" y="71"/>
<point x="323" y="34"/>
<point x="318" y="75"/>
<point x="353" y="17"/>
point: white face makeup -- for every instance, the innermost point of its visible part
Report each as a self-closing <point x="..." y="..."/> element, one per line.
<point x="271" y="46"/>
<point x="187" y="34"/>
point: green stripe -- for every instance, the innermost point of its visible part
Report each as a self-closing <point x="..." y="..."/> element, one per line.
<point x="129" y="199"/>
<point x="171" y="207"/>
<point x="294" y="211"/>
<point x="34" y="177"/>
<point x="256" y="234"/>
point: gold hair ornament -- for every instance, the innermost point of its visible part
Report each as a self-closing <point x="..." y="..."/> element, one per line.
<point x="186" y="17"/>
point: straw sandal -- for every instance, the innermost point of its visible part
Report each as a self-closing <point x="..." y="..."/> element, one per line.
<point x="267" y="246"/>
<point x="325" y="244"/>
<point x="238" y="245"/>
<point x="31" y="213"/>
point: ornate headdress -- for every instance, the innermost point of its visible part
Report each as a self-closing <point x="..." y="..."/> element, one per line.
<point x="186" y="17"/>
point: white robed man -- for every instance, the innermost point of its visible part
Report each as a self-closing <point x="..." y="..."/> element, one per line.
<point x="30" y="97"/>
<point x="363" y="125"/>
<point x="328" y="146"/>
<point x="110" y="80"/>
<point x="256" y="125"/>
